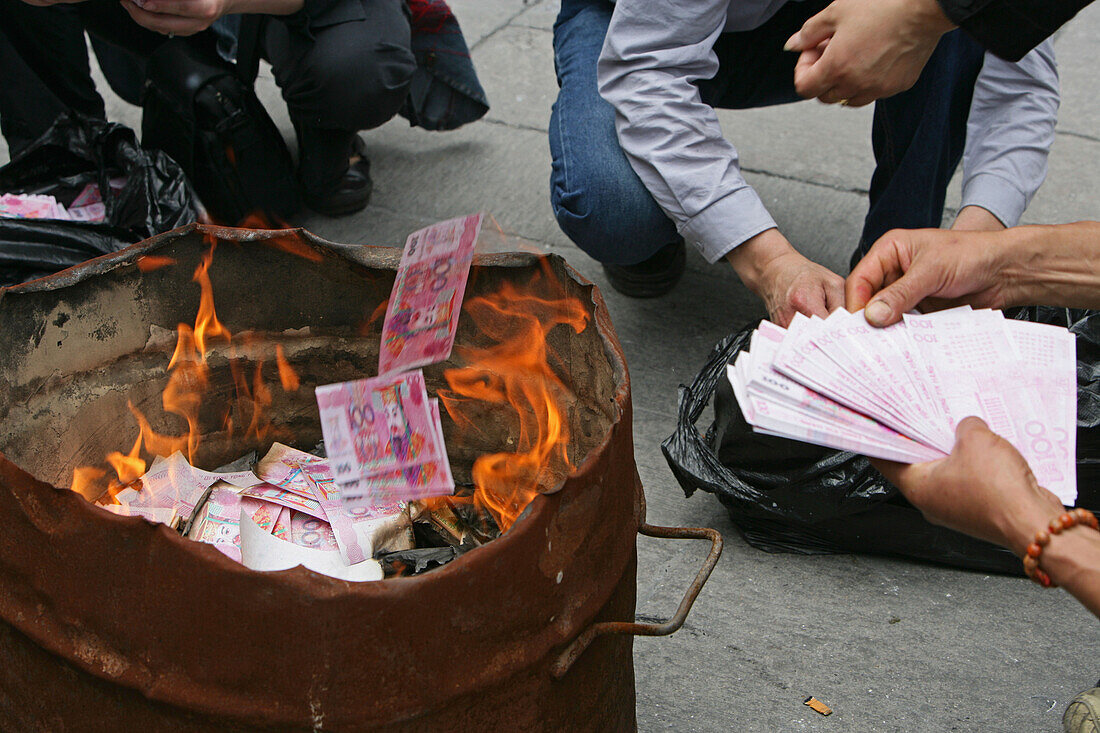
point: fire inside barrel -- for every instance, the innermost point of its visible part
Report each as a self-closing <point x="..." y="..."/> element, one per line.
<point x="509" y="370"/>
<point x="115" y="619"/>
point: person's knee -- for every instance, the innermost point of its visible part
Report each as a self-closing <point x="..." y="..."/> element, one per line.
<point x="611" y="216"/>
<point x="362" y="88"/>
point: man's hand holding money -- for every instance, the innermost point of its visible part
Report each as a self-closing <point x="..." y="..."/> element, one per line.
<point x="935" y="268"/>
<point x="1028" y="265"/>
<point x="984" y="488"/>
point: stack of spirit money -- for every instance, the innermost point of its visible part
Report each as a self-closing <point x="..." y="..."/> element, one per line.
<point x="897" y="393"/>
<point x="87" y="206"/>
<point x="279" y="513"/>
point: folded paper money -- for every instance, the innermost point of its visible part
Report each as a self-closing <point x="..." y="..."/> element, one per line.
<point x="384" y="440"/>
<point x="897" y="393"/>
<point x="291" y="496"/>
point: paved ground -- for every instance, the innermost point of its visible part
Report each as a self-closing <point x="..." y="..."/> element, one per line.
<point x="889" y="644"/>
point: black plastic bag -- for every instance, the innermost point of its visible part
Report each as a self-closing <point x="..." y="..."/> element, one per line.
<point x="74" y="152"/>
<point x="788" y="496"/>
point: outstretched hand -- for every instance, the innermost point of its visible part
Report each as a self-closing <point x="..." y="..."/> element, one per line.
<point x="857" y="51"/>
<point x="934" y="268"/>
<point x="984" y="488"/>
<point x="785" y="280"/>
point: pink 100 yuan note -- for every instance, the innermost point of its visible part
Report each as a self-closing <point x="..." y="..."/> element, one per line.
<point x="409" y="483"/>
<point x="375" y="424"/>
<point x="357" y="532"/>
<point x="422" y="314"/>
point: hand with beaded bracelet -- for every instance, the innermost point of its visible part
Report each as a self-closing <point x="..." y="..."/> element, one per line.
<point x="985" y="489"/>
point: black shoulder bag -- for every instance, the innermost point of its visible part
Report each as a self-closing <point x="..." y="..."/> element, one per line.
<point x="202" y="114"/>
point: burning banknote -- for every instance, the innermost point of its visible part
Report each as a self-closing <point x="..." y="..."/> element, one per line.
<point x="422" y="314"/>
<point x="384" y="440"/>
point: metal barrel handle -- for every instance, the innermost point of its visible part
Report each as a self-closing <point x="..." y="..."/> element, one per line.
<point x="575" y="649"/>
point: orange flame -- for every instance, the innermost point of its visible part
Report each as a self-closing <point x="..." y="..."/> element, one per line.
<point x="253" y="398"/>
<point x="287" y="376"/>
<point x="154" y="442"/>
<point x="515" y="372"/>
<point x="130" y="466"/>
<point x="207" y="324"/>
<point x="367" y="327"/>
<point x="293" y="247"/>
<point x="188" y="382"/>
<point x="148" y="263"/>
<point x="86" y="481"/>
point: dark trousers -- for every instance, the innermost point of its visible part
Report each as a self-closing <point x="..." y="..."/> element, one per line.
<point x="344" y="76"/>
<point x="29" y="102"/>
<point x="601" y="204"/>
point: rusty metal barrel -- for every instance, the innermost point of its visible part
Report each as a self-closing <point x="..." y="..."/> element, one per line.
<point x="114" y="623"/>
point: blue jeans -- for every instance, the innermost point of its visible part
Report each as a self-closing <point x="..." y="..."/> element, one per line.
<point x="602" y="205"/>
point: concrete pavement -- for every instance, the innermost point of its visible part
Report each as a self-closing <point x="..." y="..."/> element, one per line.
<point x="890" y="645"/>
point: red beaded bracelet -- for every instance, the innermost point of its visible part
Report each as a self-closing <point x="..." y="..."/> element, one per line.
<point x="1069" y="519"/>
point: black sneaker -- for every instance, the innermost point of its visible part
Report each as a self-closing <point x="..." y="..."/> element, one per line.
<point x="653" y="277"/>
<point x="334" y="183"/>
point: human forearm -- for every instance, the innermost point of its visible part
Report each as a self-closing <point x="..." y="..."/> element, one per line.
<point x="986" y="489"/>
<point x="1072" y="560"/>
<point x="1055" y="265"/>
<point x="752" y="260"/>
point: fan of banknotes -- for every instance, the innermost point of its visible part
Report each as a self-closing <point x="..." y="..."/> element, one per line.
<point x="897" y="393"/>
<point x="383" y="435"/>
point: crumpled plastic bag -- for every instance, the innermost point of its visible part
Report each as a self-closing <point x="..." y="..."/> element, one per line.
<point x="74" y="152"/>
<point x="789" y="496"/>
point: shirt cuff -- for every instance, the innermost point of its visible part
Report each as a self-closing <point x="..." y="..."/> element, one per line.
<point x="998" y="195"/>
<point x="727" y="223"/>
